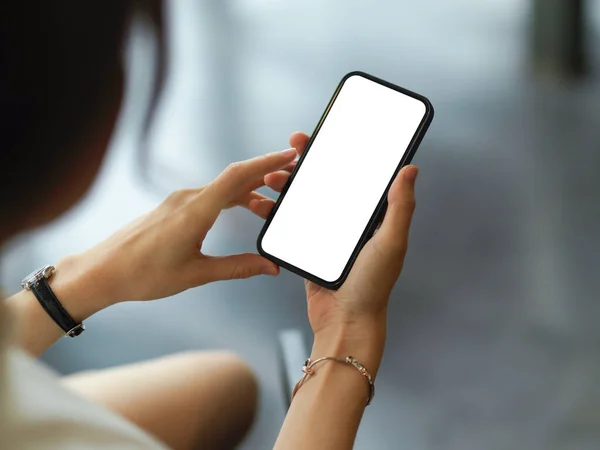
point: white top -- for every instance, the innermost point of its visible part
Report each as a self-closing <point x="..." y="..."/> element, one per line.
<point x="38" y="413"/>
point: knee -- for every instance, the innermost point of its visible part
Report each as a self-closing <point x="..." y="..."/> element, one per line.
<point x="236" y="386"/>
<point x="238" y="379"/>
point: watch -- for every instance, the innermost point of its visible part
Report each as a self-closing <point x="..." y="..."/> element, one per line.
<point x="37" y="282"/>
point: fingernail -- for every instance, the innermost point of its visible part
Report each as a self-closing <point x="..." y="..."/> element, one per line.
<point x="410" y="173"/>
<point x="269" y="270"/>
<point x="289" y="152"/>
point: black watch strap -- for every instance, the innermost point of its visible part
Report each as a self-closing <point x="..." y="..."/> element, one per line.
<point x="43" y="292"/>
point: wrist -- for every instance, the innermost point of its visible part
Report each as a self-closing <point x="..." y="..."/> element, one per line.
<point x="363" y="339"/>
<point x="79" y="290"/>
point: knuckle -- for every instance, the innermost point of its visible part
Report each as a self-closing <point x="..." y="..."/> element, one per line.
<point x="410" y="204"/>
<point x="240" y="272"/>
<point x="172" y="197"/>
<point x="234" y="169"/>
<point x="177" y="197"/>
<point x="175" y="208"/>
<point x="187" y="195"/>
<point x="403" y="205"/>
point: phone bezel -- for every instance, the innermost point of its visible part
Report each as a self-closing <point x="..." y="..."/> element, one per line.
<point x="381" y="206"/>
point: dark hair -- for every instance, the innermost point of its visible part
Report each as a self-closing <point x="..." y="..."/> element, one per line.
<point x="62" y="62"/>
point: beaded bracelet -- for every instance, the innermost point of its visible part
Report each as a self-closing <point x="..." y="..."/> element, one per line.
<point x="309" y="365"/>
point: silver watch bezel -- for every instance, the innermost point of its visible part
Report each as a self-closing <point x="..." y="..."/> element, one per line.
<point x="45" y="272"/>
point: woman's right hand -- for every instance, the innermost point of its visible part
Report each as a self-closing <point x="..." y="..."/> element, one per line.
<point x="352" y="320"/>
<point x="362" y="300"/>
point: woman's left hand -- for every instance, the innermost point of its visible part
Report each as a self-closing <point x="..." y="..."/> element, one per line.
<point x="160" y="254"/>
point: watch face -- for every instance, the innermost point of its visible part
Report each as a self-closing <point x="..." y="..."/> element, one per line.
<point x="34" y="274"/>
<point x="44" y="272"/>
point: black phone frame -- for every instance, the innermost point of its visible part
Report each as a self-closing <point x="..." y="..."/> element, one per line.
<point x="379" y="212"/>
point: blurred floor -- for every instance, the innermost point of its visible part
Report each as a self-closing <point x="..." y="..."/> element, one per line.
<point x="494" y="331"/>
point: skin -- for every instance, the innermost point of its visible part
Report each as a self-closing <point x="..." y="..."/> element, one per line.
<point x="160" y="255"/>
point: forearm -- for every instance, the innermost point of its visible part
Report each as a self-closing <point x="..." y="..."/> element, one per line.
<point x="34" y="330"/>
<point x="327" y="409"/>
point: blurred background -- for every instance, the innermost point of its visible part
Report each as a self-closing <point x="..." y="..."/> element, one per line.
<point x="494" y="337"/>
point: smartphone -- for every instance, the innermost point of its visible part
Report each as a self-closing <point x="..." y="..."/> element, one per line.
<point x="337" y="193"/>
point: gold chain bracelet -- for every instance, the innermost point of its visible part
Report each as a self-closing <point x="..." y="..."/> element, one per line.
<point x="309" y="365"/>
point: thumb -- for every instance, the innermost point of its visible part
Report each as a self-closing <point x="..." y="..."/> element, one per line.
<point x="234" y="267"/>
<point x="392" y="237"/>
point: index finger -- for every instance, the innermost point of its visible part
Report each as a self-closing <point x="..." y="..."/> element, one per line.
<point x="238" y="178"/>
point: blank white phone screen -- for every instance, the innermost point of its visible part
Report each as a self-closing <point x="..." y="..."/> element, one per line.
<point x="343" y="177"/>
